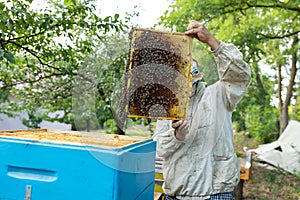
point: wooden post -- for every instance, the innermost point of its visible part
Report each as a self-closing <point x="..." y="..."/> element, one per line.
<point x="238" y="190"/>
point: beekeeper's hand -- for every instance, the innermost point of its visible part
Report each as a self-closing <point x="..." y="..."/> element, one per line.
<point x="181" y="129"/>
<point x="198" y="30"/>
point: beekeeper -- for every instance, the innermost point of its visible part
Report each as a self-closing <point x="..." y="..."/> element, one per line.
<point x="199" y="156"/>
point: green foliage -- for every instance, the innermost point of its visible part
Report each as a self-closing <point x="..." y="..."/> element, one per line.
<point x="239" y="154"/>
<point x="294" y="110"/>
<point x="110" y="126"/>
<point x="33" y="121"/>
<point x="42" y="50"/>
<point x="256" y="114"/>
<point x="262" y="126"/>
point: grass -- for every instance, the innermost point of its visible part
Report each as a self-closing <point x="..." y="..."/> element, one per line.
<point x="265" y="183"/>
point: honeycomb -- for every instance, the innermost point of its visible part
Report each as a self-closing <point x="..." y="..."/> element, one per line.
<point x="73" y="137"/>
<point x="158" y="74"/>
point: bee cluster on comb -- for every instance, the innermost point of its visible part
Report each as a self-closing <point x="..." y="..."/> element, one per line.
<point x="158" y="69"/>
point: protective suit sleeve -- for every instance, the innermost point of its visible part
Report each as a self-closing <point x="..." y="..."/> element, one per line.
<point x="166" y="142"/>
<point x="233" y="72"/>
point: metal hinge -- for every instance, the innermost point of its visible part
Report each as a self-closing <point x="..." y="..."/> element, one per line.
<point x="28" y="192"/>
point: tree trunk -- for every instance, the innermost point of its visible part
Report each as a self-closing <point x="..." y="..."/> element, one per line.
<point x="284" y="119"/>
<point x="283" y="110"/>
<point x="73" y="126"/>
<point x="280" y="103"/>
<point x="120" y="120"/>
<point x="120" y="131"/>
<point x="295" y="108"/>
<point x="88" y="124"/>
<point x="283" y="106"/>
<point x="238" y="190"/>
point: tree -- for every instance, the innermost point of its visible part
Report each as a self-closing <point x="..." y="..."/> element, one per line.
<point x="267" y="32"/>
<point x="95" y="86"/>
<point x="295" y="110"/>
<point x="42" y="50"/>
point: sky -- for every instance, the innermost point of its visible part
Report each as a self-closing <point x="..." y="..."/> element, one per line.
<point x="149" y="10"/>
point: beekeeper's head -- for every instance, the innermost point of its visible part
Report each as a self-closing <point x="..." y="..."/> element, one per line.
<point x="195" y="71"/>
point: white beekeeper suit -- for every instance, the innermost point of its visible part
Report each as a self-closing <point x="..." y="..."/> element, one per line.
<point x="204" y="162"/>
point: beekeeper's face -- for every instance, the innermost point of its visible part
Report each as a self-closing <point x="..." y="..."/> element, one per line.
<point x="196" y="74"/>
<point x="194" y="68"/>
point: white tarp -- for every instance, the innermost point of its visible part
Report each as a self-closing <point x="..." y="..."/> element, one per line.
<point x="285" y="152"/>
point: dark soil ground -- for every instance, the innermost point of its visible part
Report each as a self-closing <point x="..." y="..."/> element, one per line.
<point x="271" y="185"/>
<point x="266" y="183"/>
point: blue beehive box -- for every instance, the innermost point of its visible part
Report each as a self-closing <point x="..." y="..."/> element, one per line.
<point x="54" y="165"/>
